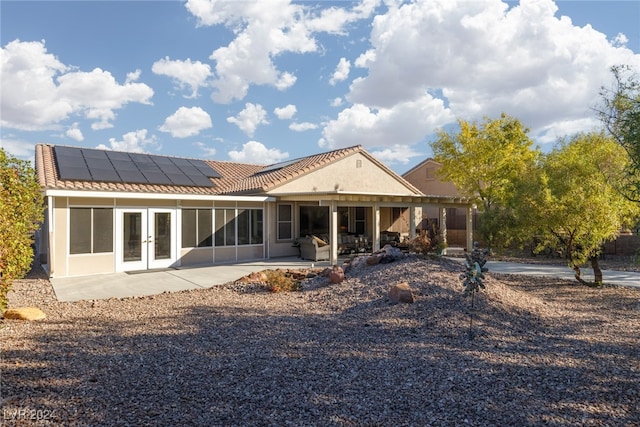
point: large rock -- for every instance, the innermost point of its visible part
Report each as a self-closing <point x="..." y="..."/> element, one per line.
<point x="401" y="292"/>
<point x="256" y="276"/>
<point x="390" y="254"/>
<point x="24" y="313"/>
<point x="336" y="275"/>
<point x="374" y="259"/>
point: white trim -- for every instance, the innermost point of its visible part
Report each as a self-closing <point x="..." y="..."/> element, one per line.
<point x="120" y="264"/>
<point x="152" y="262"/>
<point x="51" y="234"/>
<point x="156" y="196"/>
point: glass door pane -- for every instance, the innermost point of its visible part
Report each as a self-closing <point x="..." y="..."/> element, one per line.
<point x="132" y="241"/>
<point x="162" y="224"/>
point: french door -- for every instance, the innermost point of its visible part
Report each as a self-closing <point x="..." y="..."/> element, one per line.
<point x="145" y="239"/>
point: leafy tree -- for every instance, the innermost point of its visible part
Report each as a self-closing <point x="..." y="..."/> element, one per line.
<point x="568" y="204"/>
<point x="483" y="161"/>
<point x="21" y="210"/>
<point x="620" y="114"/>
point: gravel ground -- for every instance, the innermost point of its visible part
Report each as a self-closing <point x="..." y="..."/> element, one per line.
<point x="543" y="352"/>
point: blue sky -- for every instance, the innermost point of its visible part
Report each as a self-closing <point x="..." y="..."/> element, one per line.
<point x="267" y="81"/>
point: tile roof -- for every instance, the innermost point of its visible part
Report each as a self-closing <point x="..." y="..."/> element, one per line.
<point x="236" y="178"/>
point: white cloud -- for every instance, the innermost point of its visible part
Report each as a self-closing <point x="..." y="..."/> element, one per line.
<point x="404" y="124"/>
<point x="264" y="30"/>
<point x="75" y="133"/>
<point x="285" y="113"/>
<point x="396" y="154"/>
<point x="256" y="152"/>
<point x="133" y="76"/>
<point x="336" y="102"/>
<point x="21" y="149"/>
<point x="205" y="149"/>
<point x="486" y="58"/>
<point x="620" y="40"/>
<point x="301" y="127"/>
<point x="341" y="73"/>
<point x="550" y="133"/>
<point x="39" y="92"/>
<point x="333" y="20"/>
<point x="186" y="122"/>
<point x="250" y="118"/>
<point x="185" y="73"/>
<point x="134" y="142"/>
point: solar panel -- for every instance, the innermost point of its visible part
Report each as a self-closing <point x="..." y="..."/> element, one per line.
<point x="71" y="164"/>
<point x="180" y="179"/>
<point x="276" y="166"/>
<point x="205" y="169"/>
<point x="86" y="164"/>
<point x="200" y="180"/>
<point x="132" y="177"/>
<point x="73" y="173"/>
<point x="158" y="177"/>
<point x="117" y="155"/>
<point x="105" y="175"/>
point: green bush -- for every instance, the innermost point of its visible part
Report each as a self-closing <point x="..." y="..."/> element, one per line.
<point x="20" y="216"/>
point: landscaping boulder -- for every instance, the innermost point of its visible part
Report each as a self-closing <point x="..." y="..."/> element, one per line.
<point x="401" y="292"/>
<point x="24" y="313"/>
<point x="374" y="259"/>
<point x="390" y="254"/>
<point x="256" y="276"/>
<point x="336" y="275"/>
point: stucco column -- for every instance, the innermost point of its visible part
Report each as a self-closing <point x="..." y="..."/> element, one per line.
<point x="469" y="228"/>
<point x="375" y="242"/>
<point x="333" y="232"/>
<point x="442" y="219"/>
<point x="412" y="222"/>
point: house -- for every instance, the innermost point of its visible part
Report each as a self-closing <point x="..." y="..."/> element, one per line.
<point x="109" y="211"/>
<point x="456" y="220"/>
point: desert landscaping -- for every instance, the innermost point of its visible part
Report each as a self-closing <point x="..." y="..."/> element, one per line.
<point x="540" y="352"/>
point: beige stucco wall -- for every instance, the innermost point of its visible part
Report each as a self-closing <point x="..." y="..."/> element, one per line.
<point x="354" y="174"/>
<point x="196" y="256"/>
<point x="430" y="186"/>
<point x="81" y="265"/>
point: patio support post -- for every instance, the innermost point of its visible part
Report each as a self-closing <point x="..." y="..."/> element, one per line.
<point x="375" y="242"/>
<point x="469" y="228"/>
<point x="333" y="232"/>
<point x="443" y="226"/>
<point x="412" y="222"/>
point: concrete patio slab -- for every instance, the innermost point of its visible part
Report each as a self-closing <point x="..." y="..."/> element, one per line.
<point x="152" y="282"/>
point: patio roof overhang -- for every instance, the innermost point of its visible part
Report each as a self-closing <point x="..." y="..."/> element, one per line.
<point x="394" y="199"/>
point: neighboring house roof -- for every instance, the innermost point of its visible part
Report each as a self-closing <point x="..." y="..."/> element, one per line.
<point x="430" y="183"/>
<point x="420" y="165"/>
<point x="234" y="178"/>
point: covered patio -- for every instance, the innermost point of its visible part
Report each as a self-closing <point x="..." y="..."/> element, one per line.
<point x="370" y="219"/>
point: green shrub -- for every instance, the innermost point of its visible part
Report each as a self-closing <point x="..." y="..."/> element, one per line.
<point x="20" y="215"/>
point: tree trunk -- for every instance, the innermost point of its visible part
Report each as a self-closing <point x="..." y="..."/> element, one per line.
<point x="576" y="269"/>
<point x="597" y="273"/>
